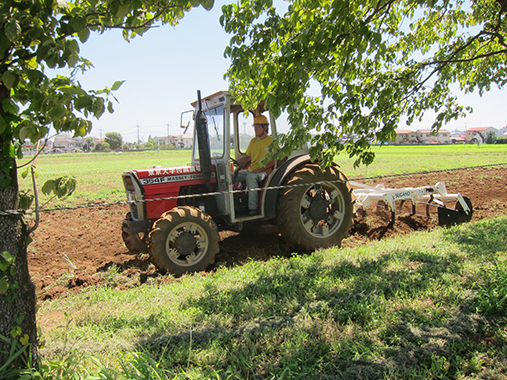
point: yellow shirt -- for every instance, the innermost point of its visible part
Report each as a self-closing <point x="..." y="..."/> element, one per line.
<point x="257" y="150"/>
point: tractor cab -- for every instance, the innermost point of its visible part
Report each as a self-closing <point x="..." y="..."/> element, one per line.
<point x="222" y="133"/>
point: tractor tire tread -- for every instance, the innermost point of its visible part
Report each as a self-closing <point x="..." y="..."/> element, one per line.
<point x="163" y="226"/>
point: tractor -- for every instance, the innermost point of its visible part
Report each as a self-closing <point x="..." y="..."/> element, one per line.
<point x="176" y="213"/>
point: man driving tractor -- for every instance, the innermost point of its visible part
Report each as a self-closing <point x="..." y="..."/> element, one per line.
<point x="255" y="153"/>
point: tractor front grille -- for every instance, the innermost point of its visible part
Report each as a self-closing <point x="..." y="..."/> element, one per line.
<point x="130" y="189"/>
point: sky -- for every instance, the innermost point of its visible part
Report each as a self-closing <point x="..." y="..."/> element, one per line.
<point x="165" y="67"/>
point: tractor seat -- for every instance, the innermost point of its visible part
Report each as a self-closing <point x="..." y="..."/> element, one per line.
<point x="242" y="185"/>
<point x="239" y="186"/>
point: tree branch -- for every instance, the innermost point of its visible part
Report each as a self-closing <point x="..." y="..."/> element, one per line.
<point x="480" y="56"/>
<point x="146" y="24"/>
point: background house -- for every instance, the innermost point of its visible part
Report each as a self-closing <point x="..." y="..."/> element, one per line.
<point x="422" y="136"/>
<point x="405" y="137"/>
<point x="180" y="142"/>
<point x="478" y="135"/>
<point x="425" y="136"/>
<point x="458" y="137"/>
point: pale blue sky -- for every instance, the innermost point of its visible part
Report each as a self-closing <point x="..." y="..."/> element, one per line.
<point x="164" y="69"/>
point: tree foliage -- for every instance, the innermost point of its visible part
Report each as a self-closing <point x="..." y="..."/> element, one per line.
<point x="114" y="140"/>
<point x="490" y="137"/>
<point x="89" y="144"/>
<point x="40" y="34"/>
<point x="355" y="69"/>
<point x="36" y="35"/>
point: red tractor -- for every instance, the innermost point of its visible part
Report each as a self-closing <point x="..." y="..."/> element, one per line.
<point x="177" y="212"/>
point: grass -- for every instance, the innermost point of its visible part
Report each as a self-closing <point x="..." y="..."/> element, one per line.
<point x="429" y="305"/>
<point x="99" y="174"/>
<point x="410" y="159"/>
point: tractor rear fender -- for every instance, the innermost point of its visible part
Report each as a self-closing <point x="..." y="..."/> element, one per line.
<point x="278" y="179"/>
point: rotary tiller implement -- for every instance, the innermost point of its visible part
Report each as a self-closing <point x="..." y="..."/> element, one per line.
<point x="433" y="199"/>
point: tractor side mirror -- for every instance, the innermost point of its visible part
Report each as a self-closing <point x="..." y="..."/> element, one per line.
<point x="182" y="125"/>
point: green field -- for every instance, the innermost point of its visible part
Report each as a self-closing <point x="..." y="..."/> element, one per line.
<point x="99" y="174"/>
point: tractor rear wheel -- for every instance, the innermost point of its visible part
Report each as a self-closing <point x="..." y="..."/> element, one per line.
<point x="315" y="215"/>
<point x="136" y="243"/>
<point x="183" y="240"/>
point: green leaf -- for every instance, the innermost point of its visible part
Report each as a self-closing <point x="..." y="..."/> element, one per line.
<point x="3" y="124"/>
<point x="35" y="76"/>
<point x="98" y="107"/>
<point x="19" y="318"/>
<point x="10" y="107"/>
<point x="48" y="187"/>
<point x="24" y="340"/>
<point x="7" y="261"/>
<point x="9" y="79"/>
<point x="4" y="286"/>
<point x="117" y="85"/>
<point x="71" y="54"/>
<point x="207" y="4"/>
<point x="83" y="35"/>
<point x="28" y="132"/>
<point x="12" y="30"/>
<point x="61" y="187"/>
<point x="5" y="43"/>
<point x="77" y="23"/>
<point x="82" y="128"/>
<point x="16" y="331"/>
<point x="24" y="173"/>
<point x="25" y="200"/>
<point x="65" y="186"/>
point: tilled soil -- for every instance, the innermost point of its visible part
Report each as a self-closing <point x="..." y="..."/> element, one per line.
<point x="74" y="249"/>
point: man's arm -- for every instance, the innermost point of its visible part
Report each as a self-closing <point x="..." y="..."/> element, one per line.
<point x="266" y="168"/>
<point x="243" y="161"/>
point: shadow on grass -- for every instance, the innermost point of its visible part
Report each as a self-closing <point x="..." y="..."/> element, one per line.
<point x="484" y="238"/>
<point x="366" y="319"/>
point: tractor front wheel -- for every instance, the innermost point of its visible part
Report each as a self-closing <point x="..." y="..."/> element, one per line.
<point x="184" y="240"/>
<point x="317" y="211"/>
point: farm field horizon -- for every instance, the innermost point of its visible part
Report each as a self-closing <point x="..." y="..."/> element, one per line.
<point x="98" y="175"/>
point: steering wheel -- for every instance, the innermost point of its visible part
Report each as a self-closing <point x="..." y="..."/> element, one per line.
<point x="236" y="163"/>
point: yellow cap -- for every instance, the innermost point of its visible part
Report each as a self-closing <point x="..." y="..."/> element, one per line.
<point x="260" y="119"/>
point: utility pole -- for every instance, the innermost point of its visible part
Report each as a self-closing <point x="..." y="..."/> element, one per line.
<point x="138" y="141"/>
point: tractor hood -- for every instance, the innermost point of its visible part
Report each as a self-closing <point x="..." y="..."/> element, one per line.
<point x="158" y="175"/>
<point x="160" y="187"/>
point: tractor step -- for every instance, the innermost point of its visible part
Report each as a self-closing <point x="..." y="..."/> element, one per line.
<point x="428" y="196"/>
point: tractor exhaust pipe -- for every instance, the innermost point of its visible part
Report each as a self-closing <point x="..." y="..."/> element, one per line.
<point x="201" y="125"/>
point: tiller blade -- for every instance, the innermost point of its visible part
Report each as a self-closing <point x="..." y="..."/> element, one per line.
<point x="449" y="217"/>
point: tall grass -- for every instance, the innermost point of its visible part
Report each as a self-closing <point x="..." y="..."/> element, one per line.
<point x="422" y="306"/>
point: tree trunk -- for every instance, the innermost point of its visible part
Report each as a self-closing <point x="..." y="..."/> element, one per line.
<point x="17" y="305"/>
